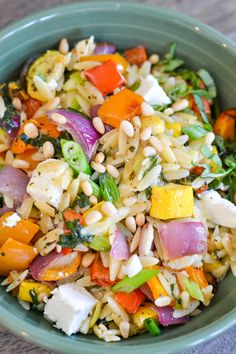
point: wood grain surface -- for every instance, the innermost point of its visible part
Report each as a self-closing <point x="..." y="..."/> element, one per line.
<point x="220" y="14"/>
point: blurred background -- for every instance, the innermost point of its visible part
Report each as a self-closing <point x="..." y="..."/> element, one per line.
<point x="221" y="15"/>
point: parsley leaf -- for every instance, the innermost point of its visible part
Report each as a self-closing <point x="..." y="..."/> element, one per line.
<point x="75" y="237"/>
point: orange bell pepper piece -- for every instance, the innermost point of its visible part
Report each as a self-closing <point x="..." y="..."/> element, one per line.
<point x="130" y="301"/>
<point x="197" y="170"/>
<point x="105" y="77"/>
<point x="197" y="275"/>
<point x="100" y="274"/>
<point x="15" y="255"/>
<point x="58" y="273"/>
<point x="27" y="156"/>
<point x="30" y="107"/>
<point x="71" y="215"/>
<point x="225" y="124"/>
<point x="137" y="55"/>
<point x="44" y="125"/>
<point x="123" y="105"/>
<point x="102" y="58"/>
<point x="156" y="287"/>
<point x="23" y="232"/>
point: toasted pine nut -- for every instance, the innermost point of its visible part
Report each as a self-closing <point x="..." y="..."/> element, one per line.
<point x="163" y="301"/>
<point x="169" y="111"/>
<point x="31" y="130"/>
<point x="98" y="125"/>
<point x="146" y="109"/>
<point x="58" y="118"/>
<point x="185" y="299"/>
<point x="17" y="104"/>
<point x="156" y="143"/>
<point x="154" y="59"/>
<point x="146" y="134"/>
<point x="149" y="151"/>
<point x="140" y="219"/>
<point x="93" y="217"/>
<point x="109" y="209"/>
<point x="130" y="223"/>
<point x="93" y="200"/>
<point x="87" y="188"/>
<point x="64" y="46"/>
<point x="180" y="105"/>
<point x="129" y="201"/>
<point x="48" y="149"/>
<point x="87" y="259"/>
<point x="99" y="158"/>
<point x="98" y="167"/>
<point x="124" y="329"/>
<point x="127" y="128"/>
<point x="114" y="172"/>
<point x="136" y="121"/>
<point x="17" y="163"/>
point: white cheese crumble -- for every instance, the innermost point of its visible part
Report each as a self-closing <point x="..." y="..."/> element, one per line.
<point x="12" y="220"/>
<point x="132" y="266"/>
<point x="152" y="92"/>
<point x="69" y="307"/>
<point x="216" y="209"/>
<point x="48" y="181"/>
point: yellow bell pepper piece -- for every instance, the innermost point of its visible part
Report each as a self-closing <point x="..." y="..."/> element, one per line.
<point x="38" y="288"/>
<point x="102" y="58"/>
<point x="157" y="124"/>
<point x="144" y="312"/>
<point x="172" y="201"/>
<point x="176" y="127"/>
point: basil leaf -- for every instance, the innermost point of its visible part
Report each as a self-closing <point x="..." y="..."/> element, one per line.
<point x="209" y="82"/>
<point x="202" y="93"/>
<point x="109" y="189"/>
<point x="206" y="151"/>
<point x="200" y="106"/>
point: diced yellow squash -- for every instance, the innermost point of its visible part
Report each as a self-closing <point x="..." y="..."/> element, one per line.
<point x="211" y="267"/>
<point x="176" y="127"/>
<point x="214" y="150"/>
<point x="172" y="201"/>
<point x="144" y="312"/>
<point x="157" y="124"/>
<point x="27" y="285"/>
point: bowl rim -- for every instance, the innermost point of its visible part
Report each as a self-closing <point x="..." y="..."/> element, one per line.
<point x="24" y="329"/>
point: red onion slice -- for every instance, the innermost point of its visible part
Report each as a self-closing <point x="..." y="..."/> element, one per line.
<point x="165" y="315"/>
<point x="104" y="48"/>
<point x="120" y="248"/>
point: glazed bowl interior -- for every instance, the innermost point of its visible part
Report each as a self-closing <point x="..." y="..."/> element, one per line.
<point x="126" y="25"/>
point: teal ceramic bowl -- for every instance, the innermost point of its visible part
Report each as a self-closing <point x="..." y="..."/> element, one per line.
<point x="126" y="24"/>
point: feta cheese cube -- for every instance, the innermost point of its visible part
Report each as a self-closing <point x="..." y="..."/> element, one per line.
<point x="132" y="266"/>
<point x="69" y="307"/>
<point x="152" y="92"/>
<point x="12" y="220"/>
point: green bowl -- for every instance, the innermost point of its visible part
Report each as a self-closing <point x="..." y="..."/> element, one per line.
<point x="126" y="24"/>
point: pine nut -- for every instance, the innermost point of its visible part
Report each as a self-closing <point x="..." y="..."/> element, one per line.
<point x="31" y="130"/>
<point x="17" y="163"/>
<point x="48" y="149"/>
<point x="99" y="158"/>
<point x="114" y="172"/>
<point x="146" y="134"/>
<point x="16" y="103"/>
<point x="149" y="151"/>
<point x="140" y="219"/>
<point x="154" y="59"/>
<point x="64" y="46"/>
<point x="156" y="143"/>
<point x="93" y="217"/>
<point x="169" y="111"/>
<point x="98" y="125"/>
<point x="180" y="105"/>
<point x="127" y="128"/>
<point x="93" y="200"/>
<point x="87" y="259"/>
<point x="163" y="301"/>
<point x="136" y="122"/>
<point x="98" y="167"/>
<point x="185" y="299"/>
<point x="129" y="201"/>
<point x="87" y="188"/>
<point x="109" y="209"/>
<point x="58" y="118"/>
<point x="124" y="329"/>
<point x="130" y="223"/>
<point x="146" y="109"/>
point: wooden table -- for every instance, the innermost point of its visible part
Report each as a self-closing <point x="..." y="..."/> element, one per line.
<point x="220" y="14"/>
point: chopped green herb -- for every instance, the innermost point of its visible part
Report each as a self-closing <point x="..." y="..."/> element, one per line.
<point x="209" y="82"/>
<point x="152" y="326"/>
<point x="83" y="200"/>
<point x="75" y="237"/>
<point x="200" y="106"/>
<point x="194" y="131"/>
<point x="148" y="192"/>
<point x="135" y="86"/>
<point x="206" y="151"/>
<point x="109" y="189"/>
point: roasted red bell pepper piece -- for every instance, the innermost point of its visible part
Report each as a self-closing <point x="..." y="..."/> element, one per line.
<point x="106" y="77"/>
<point x="130" y="301"/>
<point x="100" y="274"/>
<point x="136" y="55"/>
